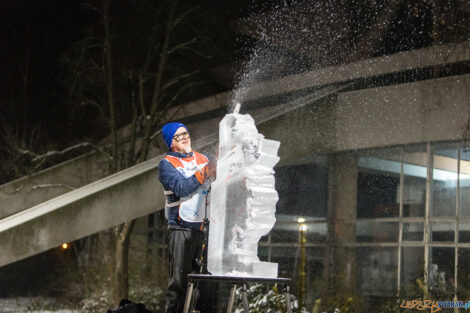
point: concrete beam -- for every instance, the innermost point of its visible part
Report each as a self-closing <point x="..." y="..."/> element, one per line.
<point x="124" y="196"/>
<point x="430" y="110"/>
<point x="31" y="190"/>
<point x="427" y="57"/>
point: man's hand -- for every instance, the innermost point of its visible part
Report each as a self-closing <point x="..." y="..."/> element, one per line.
<point x="212" y="168"/>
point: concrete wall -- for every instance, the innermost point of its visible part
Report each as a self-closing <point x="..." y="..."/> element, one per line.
<point x="431" y="110"/>
<point x="304" y="133"/>
<point x="422" y="58"/>
<point x="122" y="201"/>
<point x="23" y="193"/>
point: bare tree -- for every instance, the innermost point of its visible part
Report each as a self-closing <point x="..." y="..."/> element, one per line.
<point x="128" y="75"/>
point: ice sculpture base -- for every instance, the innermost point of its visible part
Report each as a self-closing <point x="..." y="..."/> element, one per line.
<point x="265" y="269"/>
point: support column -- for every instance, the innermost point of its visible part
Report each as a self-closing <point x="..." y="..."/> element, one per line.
<point x="342" y="211"/>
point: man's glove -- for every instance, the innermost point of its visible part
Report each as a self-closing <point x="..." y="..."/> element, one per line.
<point x="209" y="170"/>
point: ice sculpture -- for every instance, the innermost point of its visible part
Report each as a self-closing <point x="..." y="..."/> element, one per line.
<point x="243" y="199"/>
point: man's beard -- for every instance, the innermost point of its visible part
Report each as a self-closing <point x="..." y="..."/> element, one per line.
<point x="187" y="150"/>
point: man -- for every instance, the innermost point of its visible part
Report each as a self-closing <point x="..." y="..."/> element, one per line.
<point x="182" y="173"/>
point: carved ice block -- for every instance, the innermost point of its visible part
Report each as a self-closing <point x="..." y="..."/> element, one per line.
<point x="243" y="199"/>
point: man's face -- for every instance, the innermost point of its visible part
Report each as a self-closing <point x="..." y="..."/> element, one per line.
<point x="181" y="142"/>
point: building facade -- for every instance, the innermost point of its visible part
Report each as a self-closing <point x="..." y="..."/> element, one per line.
<point x="374" y="176"/>
<point x="380" y="173"/>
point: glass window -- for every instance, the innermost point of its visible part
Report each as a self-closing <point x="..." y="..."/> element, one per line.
<point x="289" y="232"/>
<point x="264" y="239"/>
<point x="378" y="184"/>
<point x="287" y="258"/>
<point x="263" y="253"/>
<point x="464" y="177"/>
<point x="316" y="232"/>
<point x="412" y="268"/>
<point x="285" y="233"/>
<point x="314" y="273"/>
<point x="441" y="272"/>
<point x="444" y="183"/>
<point x="302" y="189"/>
<point x="413" y="231"/>
<point x="414" y="181"/>
<point x="376" y="231"/>
<point x="464" y="274"/>
<point x="442" y="231"/>
<point x="464" y="231"/>
<point x="377" y="270"/>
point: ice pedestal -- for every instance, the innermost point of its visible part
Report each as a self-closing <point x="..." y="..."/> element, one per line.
<point x="243" y="199"/>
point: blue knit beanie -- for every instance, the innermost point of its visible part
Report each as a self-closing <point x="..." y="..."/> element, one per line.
<point x="169" y="130"/>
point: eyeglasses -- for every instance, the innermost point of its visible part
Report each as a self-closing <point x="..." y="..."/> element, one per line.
<point x="181" y="136"/>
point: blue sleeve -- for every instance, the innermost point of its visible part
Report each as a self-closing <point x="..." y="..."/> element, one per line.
<point x="173" y="180"/>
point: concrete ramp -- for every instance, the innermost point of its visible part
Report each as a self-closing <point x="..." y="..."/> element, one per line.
<point x="130" y="194"/>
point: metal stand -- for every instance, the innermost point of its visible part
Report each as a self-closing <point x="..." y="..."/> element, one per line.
<point x="235" y="280"/>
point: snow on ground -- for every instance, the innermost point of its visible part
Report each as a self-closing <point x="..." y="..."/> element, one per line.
<point x="29" y="305"/>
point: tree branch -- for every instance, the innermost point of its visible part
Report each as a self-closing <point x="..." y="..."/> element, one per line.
<point x="96" y="105"/>
<point x="188" y="48"/>
<point x="181" y="17"/>
<point x="118" y="230"/>
<point x="141" y="94"/>
<point x="153" y="42"/>
<point x="184" y="45"/>
<point x="16" y="190"/>
<point x="126" y="230"/>
<point x="37" y="157"/>
<point x="38" y="186"/>
<point x="176" y="95"/>
<point x="157" y="89"/>
<point x="131" y="155"/>
<point x="168" y="106"/>
<point x="175" y="80"/>
<point x="155" y="134"/>
<point x="109" y="81"/>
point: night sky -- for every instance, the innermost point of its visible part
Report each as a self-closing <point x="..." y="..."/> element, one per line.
<point x="35" y="34"/>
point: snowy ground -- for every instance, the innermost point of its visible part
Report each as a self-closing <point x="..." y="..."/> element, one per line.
<point x="29" y="305"/>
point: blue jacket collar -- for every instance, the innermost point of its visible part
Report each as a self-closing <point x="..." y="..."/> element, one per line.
<point x="180" y="155"/>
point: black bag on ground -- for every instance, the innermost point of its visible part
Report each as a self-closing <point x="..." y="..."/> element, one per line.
<point x="127" y="306"/>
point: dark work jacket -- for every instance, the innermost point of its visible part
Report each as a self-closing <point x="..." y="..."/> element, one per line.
<point x="177" y="185"/>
